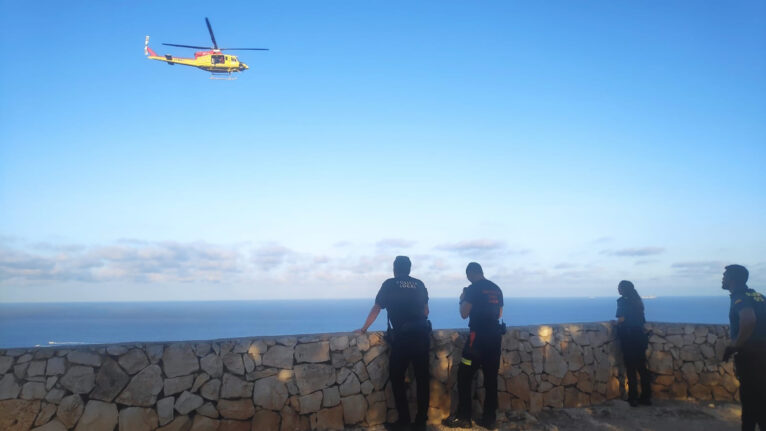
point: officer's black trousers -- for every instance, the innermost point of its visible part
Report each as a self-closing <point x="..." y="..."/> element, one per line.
<point x="751" y="371"/>
<point x="634" y="343"/>
<point x="412" y="346"/>
<point x="481" y="350"/>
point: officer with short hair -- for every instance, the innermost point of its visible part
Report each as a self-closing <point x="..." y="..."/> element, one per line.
<point x="482" y="302"/>
<point x="409" y="335"/>
<point x="747" y="319"/>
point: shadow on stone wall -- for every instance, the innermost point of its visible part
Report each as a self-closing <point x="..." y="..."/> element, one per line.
<point x="328" y="381"/>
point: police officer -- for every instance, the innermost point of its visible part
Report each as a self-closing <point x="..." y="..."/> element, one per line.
<point x="747" y="322"/>
<point x="482" y="303"/>
<point x="406" y="301"/>
<point x="634" y="341"/>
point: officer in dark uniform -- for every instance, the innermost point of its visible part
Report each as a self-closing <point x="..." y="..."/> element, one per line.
<point x="409" y="335"/>
<point x="482" y="302"/>
<point x="747" y="321"/>
<point x="634" y="341"/>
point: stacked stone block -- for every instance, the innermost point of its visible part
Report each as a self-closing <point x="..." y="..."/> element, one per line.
<point x="686" y="362"/>
<point x="333" y="381"/>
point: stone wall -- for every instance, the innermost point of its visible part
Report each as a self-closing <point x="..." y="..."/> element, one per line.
<point x="332" y="381"/>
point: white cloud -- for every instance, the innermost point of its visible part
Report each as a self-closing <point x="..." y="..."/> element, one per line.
<point x="635" y="251"/>
<point x="395" y="243"/>
<point x="476" y="246"/>
<point x="699" y="268"/>
<point x="270" y="256"/>
<point x="147" y="262"/>
<point x="273" y="270"/>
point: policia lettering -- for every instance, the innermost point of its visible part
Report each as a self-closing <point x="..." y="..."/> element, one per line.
<point x="409" y="335"/>
<point x="747" y="318"/>
<point x="482" y="303"/>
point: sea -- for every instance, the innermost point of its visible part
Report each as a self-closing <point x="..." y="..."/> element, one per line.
<point x="50" y="324"/>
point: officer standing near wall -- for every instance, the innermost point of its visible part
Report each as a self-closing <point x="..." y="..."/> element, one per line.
<point x="747" y="322"/>
<point x="633" y="341"/>
<point x="482" y="301"/>
<point x="409" y="335"/>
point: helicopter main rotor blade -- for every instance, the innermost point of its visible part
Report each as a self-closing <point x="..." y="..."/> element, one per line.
<point x="210" y="29"/>
<point x="243" y="49"/>
<point x="187" y="46"/>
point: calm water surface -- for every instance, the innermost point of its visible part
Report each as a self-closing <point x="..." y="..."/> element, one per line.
<point x="29" y="324"/>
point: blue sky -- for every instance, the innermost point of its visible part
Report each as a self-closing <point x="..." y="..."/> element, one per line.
<point x="565" y="146"/>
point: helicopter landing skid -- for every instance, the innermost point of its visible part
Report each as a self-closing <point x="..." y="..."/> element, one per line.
<point x="223" y="78"/>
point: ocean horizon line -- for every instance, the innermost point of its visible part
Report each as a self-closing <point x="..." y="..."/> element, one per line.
<point x="372" y="298"/>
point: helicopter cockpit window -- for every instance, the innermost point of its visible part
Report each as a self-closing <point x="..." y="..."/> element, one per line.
<point x="218" y="59"/>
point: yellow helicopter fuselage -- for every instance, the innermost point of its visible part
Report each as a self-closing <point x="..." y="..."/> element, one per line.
<point x="208" y="61"/>
<point x="211" y="61"/>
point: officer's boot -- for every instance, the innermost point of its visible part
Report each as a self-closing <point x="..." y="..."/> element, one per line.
<point x="455" y="422"/>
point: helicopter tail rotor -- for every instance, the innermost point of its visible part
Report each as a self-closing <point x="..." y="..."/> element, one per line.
<point x="148" y="51"/>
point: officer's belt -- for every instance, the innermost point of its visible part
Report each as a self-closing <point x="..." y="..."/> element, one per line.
<point x="486" y="327"/>
<point x="412" y="326"/>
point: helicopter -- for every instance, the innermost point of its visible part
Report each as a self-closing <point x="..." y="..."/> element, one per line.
<point x="212" y="60"/>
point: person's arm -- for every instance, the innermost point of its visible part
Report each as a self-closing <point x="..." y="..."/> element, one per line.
<point x="620" y="315"/>
<point x="746" y="327"/>
<point x="502" y="303"/>
<point x="374" y="311"/>
<point x="465" y="306"/>
<point x="465" y="309"/>
<point x="426" y="310"/>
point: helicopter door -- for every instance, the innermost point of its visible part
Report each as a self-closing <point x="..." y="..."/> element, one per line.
<point x="217" y="59"/>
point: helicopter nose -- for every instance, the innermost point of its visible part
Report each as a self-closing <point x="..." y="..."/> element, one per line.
<point x="243" y="66"/>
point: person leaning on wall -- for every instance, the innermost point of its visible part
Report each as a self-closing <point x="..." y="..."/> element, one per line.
<point x="409" y="336"/>
<point x="482" y="303"/>
<point x="747" y="324"/>
<point x="634" y="341"/>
